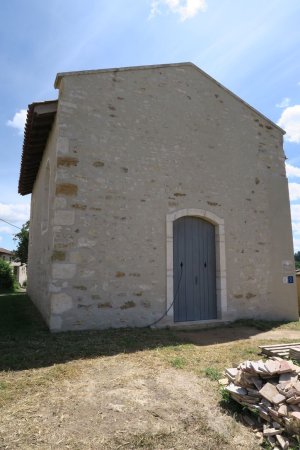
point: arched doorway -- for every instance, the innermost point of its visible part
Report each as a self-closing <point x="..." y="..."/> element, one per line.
<point x="194" y="270"/>
<point x="212" y="225"/>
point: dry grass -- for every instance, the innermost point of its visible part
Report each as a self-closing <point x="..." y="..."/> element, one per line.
<point x="265" y="325"/>
<point x="117" y="389"/>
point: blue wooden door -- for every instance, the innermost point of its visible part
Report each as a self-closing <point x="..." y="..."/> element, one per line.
<point x="194" y="270"/>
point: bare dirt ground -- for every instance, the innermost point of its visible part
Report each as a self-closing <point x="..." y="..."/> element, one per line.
<point x="125" y="389"/>
<point x="121" y="403"/>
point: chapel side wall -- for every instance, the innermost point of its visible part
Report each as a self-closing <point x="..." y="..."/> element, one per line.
<point x="134" y="146"/>
<point x="41" y="237"/>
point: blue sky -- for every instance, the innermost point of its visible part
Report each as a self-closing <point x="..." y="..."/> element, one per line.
<point x="252" y="47"/>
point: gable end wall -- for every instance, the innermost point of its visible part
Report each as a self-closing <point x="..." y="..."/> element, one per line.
<point x="134" y="147"/>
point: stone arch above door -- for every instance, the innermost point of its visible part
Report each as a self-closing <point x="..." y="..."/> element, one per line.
<point x="221" y="288"/>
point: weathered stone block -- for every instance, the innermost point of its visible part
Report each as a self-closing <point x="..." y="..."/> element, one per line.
<point x="62" y="217"/>
<point x="63" y="271"/>
<point x="75" y="257"/>
<point x="55" y="323"/>
<point x="60" y="303"/>
<point x="85" y="242"/>
<point x="98" y="164"/>
<point x="66" y="161"/>
<point x="58" y="255"/>
<point x="62" y="145"/>
<point x="60" y="203"/>
<point x="67" y="189"/>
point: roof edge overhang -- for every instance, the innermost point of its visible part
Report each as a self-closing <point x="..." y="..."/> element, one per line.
<point x="5" y="251"/>
<point x="39" y="121"/>
<point x="61" y="75"/>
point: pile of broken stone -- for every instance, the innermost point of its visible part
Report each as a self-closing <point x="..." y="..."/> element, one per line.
<point x="271" y="390"/>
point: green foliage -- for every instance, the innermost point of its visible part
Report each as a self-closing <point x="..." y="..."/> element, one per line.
<point x="7" y="280"/>
<point x="225" y="395"/>
<point x="228" y="404"/>
<point x="297" y="256"/>
<point x="22" y="238"/>
<point x="266" y="445"/>
<point x="212" y="373"/>
<point x="178" y="362"/>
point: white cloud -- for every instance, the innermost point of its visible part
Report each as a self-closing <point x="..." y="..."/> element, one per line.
<point x="294" y="189"/>
<point x="296" y="227"/>
<point x="15" y="213"/>
<point x="290" y="122"/>
<point x="296" y="244"/>
<point x="18" y="121"/>
<point x="295" y="212"/>
<point x="186" y="9"/>
<point x="292" y="171"/>
<point x="285" y="102"/>
<point x="154" y="11"/>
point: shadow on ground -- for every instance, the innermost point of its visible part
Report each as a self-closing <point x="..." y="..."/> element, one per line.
<point x="25" y="341"/>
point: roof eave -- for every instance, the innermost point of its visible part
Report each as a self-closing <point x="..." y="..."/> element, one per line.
<point x="34" y="146"/>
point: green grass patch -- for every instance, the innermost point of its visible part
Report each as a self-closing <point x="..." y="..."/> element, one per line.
<point x="3" y="385"/>
<point x="212" y="373"/>
<point x="25" y="341"/>
<point x="178" y="362"/>
<point x="228" y="404"/>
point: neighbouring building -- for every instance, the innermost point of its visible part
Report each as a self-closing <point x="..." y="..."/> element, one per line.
<point x="20" y="272"/>
<point x="19" y="269"/>
<point x="6" y="255"/>
<point x="155" y="189"/>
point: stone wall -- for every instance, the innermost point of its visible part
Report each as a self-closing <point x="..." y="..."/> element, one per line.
<point x="40" y="250"/>
<point x="134" y="146"/>
<point x="20" y="272"/>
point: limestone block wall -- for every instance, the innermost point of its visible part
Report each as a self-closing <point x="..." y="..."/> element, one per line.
<point x="134" y="146"/>
<point x="41" y="230"/>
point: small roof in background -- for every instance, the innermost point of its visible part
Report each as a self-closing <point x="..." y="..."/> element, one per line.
<point x="5" y="251"/>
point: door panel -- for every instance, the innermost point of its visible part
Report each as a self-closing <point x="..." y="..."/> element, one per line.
<point x="194" y="270"/>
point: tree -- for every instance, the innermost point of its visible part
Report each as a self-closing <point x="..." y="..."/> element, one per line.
<point x="22" y="238"/>
<point x="297" y="259"/>
<point x="297" y="256"/>
<point x="7" y="280"/>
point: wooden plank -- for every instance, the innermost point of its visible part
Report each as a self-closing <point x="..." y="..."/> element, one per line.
<point x="295" y="353"/>
<point x="270" y="352"/>
<point x="280" y="345"/>
<point x="281" y="350"/>
<point x="276" y="352"/>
